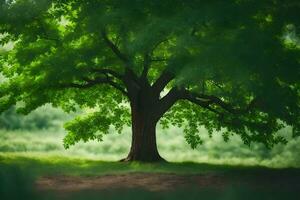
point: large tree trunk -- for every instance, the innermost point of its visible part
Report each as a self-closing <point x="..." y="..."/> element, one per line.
<point x="143" y="144"/>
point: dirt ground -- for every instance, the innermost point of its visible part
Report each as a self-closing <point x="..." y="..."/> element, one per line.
<point x="151" y="182"/>
<point x="167" y="182"/>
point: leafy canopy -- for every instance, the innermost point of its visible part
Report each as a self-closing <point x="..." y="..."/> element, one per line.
<point x="226" y="65"/>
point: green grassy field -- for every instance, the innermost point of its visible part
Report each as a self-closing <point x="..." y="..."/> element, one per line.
<point x="248" y="172"/>
<point x="171" y="144"/>
<point x="18" y="174"/>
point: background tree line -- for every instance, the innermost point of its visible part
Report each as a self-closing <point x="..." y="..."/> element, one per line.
<point x="43" y="118"/>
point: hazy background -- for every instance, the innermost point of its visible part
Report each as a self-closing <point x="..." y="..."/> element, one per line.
<point x="41" y="133"/>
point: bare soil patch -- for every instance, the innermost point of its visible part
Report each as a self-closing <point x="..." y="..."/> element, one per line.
<point x="151" y="182"/>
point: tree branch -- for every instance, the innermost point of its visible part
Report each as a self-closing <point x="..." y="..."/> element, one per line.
<point x="114" y="48"/>
<point x="148" y="58"/>
<point x="167" y="101"/>
<point x="146" y="67"/>
<point x="162" y="81"/>
<point x="108" y="71"/>
<point x="206" y="100"/>
<point x="203" y="103"/>
<point x="90" y="83"/>
<point x="176" y="94"/>
<point x="130" y="79"/>
<point x="118" y="87"/>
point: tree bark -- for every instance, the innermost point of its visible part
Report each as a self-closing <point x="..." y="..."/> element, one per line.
<point x="143" y="144"/>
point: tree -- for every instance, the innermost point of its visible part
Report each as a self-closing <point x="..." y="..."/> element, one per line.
<point x="44" y="118"/>
<point x="231" y="66"/>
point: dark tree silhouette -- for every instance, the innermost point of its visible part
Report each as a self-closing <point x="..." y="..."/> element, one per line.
<point x="231" y="66"/>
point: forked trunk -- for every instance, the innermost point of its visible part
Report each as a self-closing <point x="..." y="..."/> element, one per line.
<point x="143" y="144"/>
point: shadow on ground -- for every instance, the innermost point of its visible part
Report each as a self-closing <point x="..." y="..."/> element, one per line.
<point x="36" y="180"/>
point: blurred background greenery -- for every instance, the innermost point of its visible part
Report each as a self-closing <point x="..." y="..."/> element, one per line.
<point x="41" y="133"/>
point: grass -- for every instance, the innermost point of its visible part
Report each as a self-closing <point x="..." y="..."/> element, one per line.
<point x="171" y="143"/>
<point x="18" y="172"/>
<point x="26" y="156"/>
<point x="55" y="165"/>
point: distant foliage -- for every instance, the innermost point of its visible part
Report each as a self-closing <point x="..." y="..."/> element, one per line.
<point x="43" y="118"/>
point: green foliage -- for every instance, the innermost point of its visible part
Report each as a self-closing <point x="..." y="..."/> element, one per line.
<point x="45" y="117"/>
<point x="95" y="125"/>
<point x="242" y="55"/>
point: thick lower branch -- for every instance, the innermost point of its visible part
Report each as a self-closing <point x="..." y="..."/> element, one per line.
<point x="207" y="100"/>
<point x="90" y="83"/>
<point x="162" y="81"/>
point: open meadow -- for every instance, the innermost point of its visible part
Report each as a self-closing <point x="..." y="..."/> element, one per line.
<point x="35" y="165"/>
<point x="25" y="177"/>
